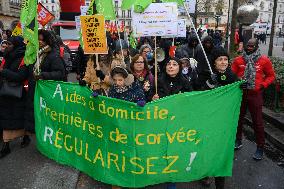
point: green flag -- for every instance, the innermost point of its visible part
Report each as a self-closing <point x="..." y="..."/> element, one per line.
<point x="132" y="41"/>
<point x="180" y="138"/>
<point x="104" y="7"/>
<point x="179" y="2"/>
<point x="141" y="5"/>
<point x="30" y="29"/>
<point x="127" y="4"/>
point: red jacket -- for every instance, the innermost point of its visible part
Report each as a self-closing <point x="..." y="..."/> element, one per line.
<point x="265" y="74"/>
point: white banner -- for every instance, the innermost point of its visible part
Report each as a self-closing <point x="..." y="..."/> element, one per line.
<point x="78" y="23"/>
<point x="84" y="10"/>
<point x="190" y="4"/>
<point x="158" y="19"/>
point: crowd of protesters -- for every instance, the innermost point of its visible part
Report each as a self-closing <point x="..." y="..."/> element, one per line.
<point x="128" y="73"/>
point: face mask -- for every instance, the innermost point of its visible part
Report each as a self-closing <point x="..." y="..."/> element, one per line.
<point x="149" y="56"/>
<point x="184" y="71"/>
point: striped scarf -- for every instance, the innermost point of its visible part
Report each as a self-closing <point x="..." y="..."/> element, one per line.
<point x="250" y="70"/>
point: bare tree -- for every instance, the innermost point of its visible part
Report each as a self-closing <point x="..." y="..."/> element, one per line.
<point x="270" y="49"/>
<point x="219" y="6"/>
<point x="233" y="26"/>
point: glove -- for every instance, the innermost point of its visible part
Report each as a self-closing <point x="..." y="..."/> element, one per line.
<point x="244" y="85"/>
<point x="212" y="82"/>
<point x="82" y="82"/>
<point x="95" y="94"/>
<point x="100" y="74"/>
<point x="141" y="103"/>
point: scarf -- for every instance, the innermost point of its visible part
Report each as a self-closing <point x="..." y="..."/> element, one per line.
<point x="42" y="53"/>
<point x="141" y="77"/>
<point x="121" y="89"/>
<point x="250" y="70"/>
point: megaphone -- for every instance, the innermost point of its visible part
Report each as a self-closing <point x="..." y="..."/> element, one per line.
<point x="160" y="54"/>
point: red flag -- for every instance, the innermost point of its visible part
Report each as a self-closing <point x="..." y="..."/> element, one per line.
<point x="122" y="26"/>
<point x="172" y="51"/>
<point x="43" y="15"/>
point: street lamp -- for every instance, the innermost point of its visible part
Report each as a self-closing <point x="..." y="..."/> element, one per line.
<point x="227" y="29"/>
<point x="217" y="17"/>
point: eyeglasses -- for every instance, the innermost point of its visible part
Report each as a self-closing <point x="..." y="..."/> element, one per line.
<point x="139" y="62"/>
<point x="251" y="46"/>
<point x="146" y="51"/>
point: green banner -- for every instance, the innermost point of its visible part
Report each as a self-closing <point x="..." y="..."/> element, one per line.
<point x="30" y="29"/>
<point x="180" y="138"/>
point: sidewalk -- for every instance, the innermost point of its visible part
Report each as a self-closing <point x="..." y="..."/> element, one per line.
<point x="27" y="168"/>
<point x="274" y="127"/>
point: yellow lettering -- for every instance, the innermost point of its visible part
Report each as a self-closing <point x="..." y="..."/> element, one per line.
<point x="167" y="169"/>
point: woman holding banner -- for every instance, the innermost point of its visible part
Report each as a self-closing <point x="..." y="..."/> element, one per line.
<point x="142" y="74"/>
<point x="224" y="76"/>
<point x="172" y="81"/>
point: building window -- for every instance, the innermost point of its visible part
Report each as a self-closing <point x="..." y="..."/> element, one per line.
<point x="206" y="20"/>
<point x="129" y="24"/>
<point x="280" y="7"/>
<point x="52" y="1"/>
<point x="123" y="14"/>
<point x="52" y="8"/>
<point x="116" y="13"/>
<point x="129" y="13"/>
<point x="270" y="7"/>
<point x="116" y="4"/>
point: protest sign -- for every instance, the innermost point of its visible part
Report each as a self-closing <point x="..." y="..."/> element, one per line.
<point x="158" y="19"/>
<point x="181" y="28"/>
<point x="84" y="10"/>
<point x="190" y="4"/>
<point x="17" y="30"/>
<point x="180" y="138"/>
<point x="43" y="15"/>
<point x="78" y="23"/>
<point x="93" y="34"/>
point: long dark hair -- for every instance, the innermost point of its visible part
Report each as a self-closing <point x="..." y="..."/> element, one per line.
<point x="47" y="37"/>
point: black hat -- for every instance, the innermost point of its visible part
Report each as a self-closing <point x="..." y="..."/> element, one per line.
<point x="216" y="53"/>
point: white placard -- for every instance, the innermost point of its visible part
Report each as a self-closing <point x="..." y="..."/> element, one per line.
<point x="84" y="10"/>
<point x="181" y="28"/>
<point x="158" y="19"/>
<point x="190" y="4"/>
<point x="78" y="23"/>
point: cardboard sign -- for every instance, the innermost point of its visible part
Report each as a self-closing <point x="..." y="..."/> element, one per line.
<point x="18" y="30"/>
<point x="93" y="34"/>
<point x="158" y="19"/>
<point x="43" y="15"/>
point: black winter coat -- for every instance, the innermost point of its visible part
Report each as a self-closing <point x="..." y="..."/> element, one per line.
<point x="12" y="109"/>
<point x="52" y="69"/>
<point x="169" y="86"/>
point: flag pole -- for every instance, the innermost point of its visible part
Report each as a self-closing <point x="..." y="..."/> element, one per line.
<point x="120" y="42"/>
<point x="186" y="9"/>
<point x="156" y="67"/>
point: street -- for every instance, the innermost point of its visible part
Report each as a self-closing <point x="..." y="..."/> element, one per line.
<point x="277" y="47"/>
<point x="27" y="168"/>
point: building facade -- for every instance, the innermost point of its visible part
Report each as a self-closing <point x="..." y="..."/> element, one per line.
<point x="9" y="13"/>
<point x="265" y="8"/>
<point x="53" y="6"/>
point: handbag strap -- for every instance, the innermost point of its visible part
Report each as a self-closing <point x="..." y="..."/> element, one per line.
<point x="4" y="62"/>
